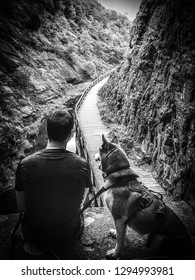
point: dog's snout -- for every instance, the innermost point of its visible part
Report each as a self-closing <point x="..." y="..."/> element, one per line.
<point x="97" y="157"/>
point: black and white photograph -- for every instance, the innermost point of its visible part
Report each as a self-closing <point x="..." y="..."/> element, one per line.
<point x="97" y="132"/>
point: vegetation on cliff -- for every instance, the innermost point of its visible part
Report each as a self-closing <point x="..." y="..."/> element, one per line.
<point x="151" y="94"/>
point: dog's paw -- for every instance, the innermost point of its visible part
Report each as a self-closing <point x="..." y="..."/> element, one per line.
<point x="112" y="254"/>
<point x="112" y="233"/>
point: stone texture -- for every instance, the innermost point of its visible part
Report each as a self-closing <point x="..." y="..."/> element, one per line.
<point x="152" y="92"/>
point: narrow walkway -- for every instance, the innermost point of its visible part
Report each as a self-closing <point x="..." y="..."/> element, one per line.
<point x="93" y="128"/>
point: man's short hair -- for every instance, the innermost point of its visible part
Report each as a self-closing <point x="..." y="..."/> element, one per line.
<point x="59" y="124"/>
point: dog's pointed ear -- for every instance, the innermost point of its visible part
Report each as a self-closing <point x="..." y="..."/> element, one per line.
<point x="104" y="139"/>
<point x="115" y="140"/>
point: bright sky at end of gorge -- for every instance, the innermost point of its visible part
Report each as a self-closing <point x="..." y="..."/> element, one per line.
<point x="130" y="7"/>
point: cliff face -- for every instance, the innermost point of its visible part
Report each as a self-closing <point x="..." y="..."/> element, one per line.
<point x="48" y="50"/>
<point x="152" y="93"/>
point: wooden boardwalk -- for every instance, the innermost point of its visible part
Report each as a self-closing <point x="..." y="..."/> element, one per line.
<point x="92" y="127"/>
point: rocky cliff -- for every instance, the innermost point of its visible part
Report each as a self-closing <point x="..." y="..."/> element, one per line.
<point x="152" y="93"/>
<point x="49" y="49"/>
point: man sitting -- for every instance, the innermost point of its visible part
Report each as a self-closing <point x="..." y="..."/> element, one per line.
<point x="50" y="188"/>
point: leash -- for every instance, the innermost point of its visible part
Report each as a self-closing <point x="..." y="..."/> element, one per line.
<point x="87" y="204"/>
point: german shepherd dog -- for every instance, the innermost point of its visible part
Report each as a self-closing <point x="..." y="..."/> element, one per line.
<point x="133" y="205"/>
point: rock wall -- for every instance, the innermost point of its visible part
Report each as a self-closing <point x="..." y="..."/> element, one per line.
<point x="152" y="93"/>
<point x="32" y="79"/>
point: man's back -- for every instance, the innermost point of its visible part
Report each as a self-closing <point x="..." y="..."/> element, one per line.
<point x="53" y="181"/>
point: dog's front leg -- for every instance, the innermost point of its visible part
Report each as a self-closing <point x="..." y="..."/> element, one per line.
<point x="120" y="236"/>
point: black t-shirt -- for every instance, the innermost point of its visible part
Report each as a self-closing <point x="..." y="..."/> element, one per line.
<point x="53" y="181"/>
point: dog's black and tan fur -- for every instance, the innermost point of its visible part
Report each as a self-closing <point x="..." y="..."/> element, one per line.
<point x="133" y="205"/>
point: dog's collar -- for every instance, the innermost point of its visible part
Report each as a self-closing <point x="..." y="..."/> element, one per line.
<point x="106" y="175"/>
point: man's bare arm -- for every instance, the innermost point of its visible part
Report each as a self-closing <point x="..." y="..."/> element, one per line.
<point x="84" y="197"/>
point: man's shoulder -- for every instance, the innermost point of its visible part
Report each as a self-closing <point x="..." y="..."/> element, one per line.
<point x="31" y="157"/>
<point x="78" y="158"/>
